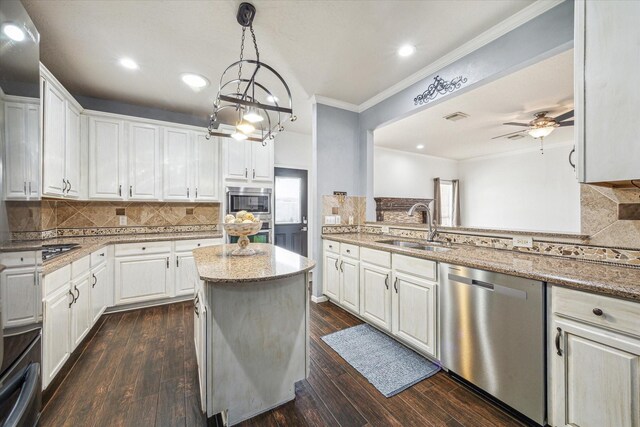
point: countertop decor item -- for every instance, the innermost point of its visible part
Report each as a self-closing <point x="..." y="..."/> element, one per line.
<point x="243" y="231"/>
<point x="250" y="102"/>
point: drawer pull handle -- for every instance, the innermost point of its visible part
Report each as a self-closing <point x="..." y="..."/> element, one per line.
<point x="558" y="336"/>
<point x="598" y="312"/>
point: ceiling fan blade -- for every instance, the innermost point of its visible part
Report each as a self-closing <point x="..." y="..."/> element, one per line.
<point x="508" y="134"/>
<point x="516" y="124"/>
<point x="569" y="123"/>
<point x="565" y="116"/>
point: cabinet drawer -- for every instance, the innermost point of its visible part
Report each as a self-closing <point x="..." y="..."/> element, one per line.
<point x="18" y="259"/>
<point x="415" y="266"/>
<point x="352" y="251"/>
<point x="142" y="248"/>
<point x="617" y="314"/>
<point x="80" y="266"/>
<point x="98" y="257"/>
<point x="375" y="257"/>
<point x="57" y="279"/>
<point x="331" y="246"/>
<point x="189" y="245"/>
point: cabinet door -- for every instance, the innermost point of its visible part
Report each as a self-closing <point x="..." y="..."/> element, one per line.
<point x="107" y="159"/>
<point x="53" y="147"/>
<point x="33" y="149"/>
<point x="80" y="310"/>
<point x="237" y="158"/>
<point x="177" y="159"/>
<point x="72" y="163"/>
<point x="20" y="296"/>
<point x="414" y="312"/>
<point x="100" y="284"/>
<point x="186" y="274"/>
<point x="144" y="162"/>
<point x="596" y="379"/>
<point x="202" y="351"/>
<point x="262" y="162"/>
<point x="207" y="168"/>
<point x="56" y="333"/>
<point x="142" y="278"/>
<point x="331" y="276"/>
<point x="375" y="295"/>
<point x="350" y="284"/>
<point x="15" y="136"/>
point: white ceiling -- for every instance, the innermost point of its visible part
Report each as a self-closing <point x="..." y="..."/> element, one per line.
<point x="344" y="50"/>
<point x="544" y="86"/>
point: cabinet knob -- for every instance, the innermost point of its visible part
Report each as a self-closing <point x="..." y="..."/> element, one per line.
<point x="143" y="248"/>
<point x="597" y="312"/>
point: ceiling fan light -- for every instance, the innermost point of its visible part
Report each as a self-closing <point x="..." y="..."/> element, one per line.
<point x="239" y="136"/>
<point x="541" y="132"/>
<point x="245" y="127"/>
<point x="252" y="117"/>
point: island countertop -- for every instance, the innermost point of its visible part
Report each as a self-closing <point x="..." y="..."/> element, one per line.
<point x="215" y="264"/>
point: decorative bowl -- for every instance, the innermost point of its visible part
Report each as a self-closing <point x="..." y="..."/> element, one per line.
<point x="243" y="230"/>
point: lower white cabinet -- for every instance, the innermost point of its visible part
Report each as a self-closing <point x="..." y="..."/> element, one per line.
<point x="375" y="295"/>
<point x="100" y="285"/>
<point x="185" y="273"/>
<point x="56" y="330"/>
<point x="81" y="320"/>
<point x="414" y="312"/>
<point x="200" y="340"/>
<point x="20" y="294"/>
<point x="350" y="284"/>
<point x="142" y="277"/>
<point x="331" y="274"/>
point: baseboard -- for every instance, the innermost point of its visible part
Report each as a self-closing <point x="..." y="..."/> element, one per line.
<point x="146" y="304"/>
<point x="321" y="298"/>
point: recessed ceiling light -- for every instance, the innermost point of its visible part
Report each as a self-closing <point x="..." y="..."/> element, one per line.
<point x="406" y="50"/>
<point x="272" y="99"/>
<point x="14" y="32"/>
<point x="129" y="63"/>
<point x="419" y="146"/>
<point x="194" y="81"/>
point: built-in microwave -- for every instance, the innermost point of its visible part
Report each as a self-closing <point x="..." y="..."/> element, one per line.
<point x="254" y="200"/>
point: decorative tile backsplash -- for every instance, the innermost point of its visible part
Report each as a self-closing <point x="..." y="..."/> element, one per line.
<point x="608" y="216"/>
<point x="354" y="206"/>
<point x="394" y="209"/>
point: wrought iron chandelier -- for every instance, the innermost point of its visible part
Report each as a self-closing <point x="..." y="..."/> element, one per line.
<point x="254" y="110"/>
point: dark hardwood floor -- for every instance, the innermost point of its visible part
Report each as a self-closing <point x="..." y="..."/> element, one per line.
<point x="140" y="370"/>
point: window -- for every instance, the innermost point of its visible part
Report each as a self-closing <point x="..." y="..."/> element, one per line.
<point x="288" y="200"/>
<point x="446" y="203"/>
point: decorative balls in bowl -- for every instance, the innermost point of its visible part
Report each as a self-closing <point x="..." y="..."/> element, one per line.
<point x="241" y="225"/>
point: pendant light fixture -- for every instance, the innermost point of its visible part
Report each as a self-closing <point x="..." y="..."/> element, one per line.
<point x="257" y="114"/>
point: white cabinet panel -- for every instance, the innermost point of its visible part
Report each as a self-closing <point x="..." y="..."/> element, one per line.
<point x="33" y="150"/>
<point x="107" y="158"/>
<point x="142" y="278"/>
<point x="414" y="312"/>
<point x="100" y="285"/>
<point x="72" y="165"/>
<point x="16" y="151"/>
<point x="207" y="168"/>
<point x="56" y="333"/>
<point x="350" y="284"/>
<point x="176" y="164"/>
<point x="54" y="136"/>
<point x="237" y="160"/>
<point x="144" y="162"/>
<point x="80" y="310"/>
<point x="186" y="274"/>
<point x="262" y="162"/>
<point x="20" y="295"/>
<point x="375" y="295"/>
<point x="331" y="275"/>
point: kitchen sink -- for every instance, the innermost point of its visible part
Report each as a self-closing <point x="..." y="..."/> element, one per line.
<point x="431" y="246"/>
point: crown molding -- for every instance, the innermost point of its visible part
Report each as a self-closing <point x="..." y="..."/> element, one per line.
<point x="318" y="99"/>
<point x="509" y="24"/>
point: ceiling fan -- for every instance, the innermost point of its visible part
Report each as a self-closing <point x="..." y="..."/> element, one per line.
<point x="542" y="125"/>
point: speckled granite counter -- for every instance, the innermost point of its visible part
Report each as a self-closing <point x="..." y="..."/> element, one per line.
<point x="216" y="264"/>
<point x="605" y="279"/>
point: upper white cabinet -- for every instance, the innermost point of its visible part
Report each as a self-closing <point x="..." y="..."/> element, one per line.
<point x="607" y="105"/>
<point x="206" y="153"/>
<point x="177" y="164"/>
<point x="145" y="174"/>
<point x="107" y="158"/>
<point x="22" y="142"/>
<point x="61" y="158"/>
<point x="248" y="161"/>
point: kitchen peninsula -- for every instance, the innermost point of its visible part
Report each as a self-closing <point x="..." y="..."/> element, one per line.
<point x="251" y="328"/>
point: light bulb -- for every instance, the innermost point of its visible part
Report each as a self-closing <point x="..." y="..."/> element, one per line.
<point x="245" y="127"/>
<point x="541" y="132"/>
<point x="14" y="32"/>
<point x="252" y="117"/>
<point x="239" y="136"/>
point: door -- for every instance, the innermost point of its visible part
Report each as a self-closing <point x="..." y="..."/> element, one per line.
<point x="142" y="278"/>
<point x="350" y="284"/>
<point x="414" y="312"/>
<point x="20" y="296"/>
<point x="207" y="168"/>
<point x="72" y="162"/>
<point x="237" y="159"/>
<point x="107" y="158"/>
<point x="291" y="225"/>
<point x="99" y="288"/>
<point x="80" y="310"/>
<point x="56" y="332"/>
<point x="53" y="152"/>
<point x="15" y="136"/>
<point x="596" y="377"/>
<point x="331" y="276"/>
<point x="176" y="164"/>
<point x="261" y="161"/>
<point x="375" y="295"/>
<point x="144" y="162"/>
<point x="186" y="274"/>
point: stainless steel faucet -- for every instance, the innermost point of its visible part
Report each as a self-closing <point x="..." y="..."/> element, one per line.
<point x="433" y="227"/>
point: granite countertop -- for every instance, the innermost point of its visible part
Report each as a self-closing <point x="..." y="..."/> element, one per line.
<point x="216" y="264"/>
<point x="90" y="244"/>
<point x="599" y="278"/>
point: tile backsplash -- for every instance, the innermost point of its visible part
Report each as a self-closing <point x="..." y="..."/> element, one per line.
<point x="352" y="206"/>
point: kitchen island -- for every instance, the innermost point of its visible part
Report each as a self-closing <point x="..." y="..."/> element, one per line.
<point x="251" y="329"/>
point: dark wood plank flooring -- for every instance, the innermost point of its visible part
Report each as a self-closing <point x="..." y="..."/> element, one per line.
<point x="140" y="370"/>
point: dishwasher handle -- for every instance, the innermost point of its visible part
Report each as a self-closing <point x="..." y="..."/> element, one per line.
<point x="472" y="282"/>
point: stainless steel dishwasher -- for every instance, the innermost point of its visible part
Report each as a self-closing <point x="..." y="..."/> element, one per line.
<point x="492" y="334"/>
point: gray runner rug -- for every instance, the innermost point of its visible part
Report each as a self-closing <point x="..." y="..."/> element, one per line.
<point x="388" y="365"/>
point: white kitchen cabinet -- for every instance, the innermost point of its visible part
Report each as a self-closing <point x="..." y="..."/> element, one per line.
<point x="331" y="275"/>
<point x="56" y="332"/>
<point x="350" y="284"/>
<point x="207" y="168"/>
<point x="186" y="274"/>
<point x="249" y="161"/>
<point x="262" y="162"/>
<point x="107" y="158"/>
<point x="145" y="172"/>
<point x="375" y="295"/>
<point x="20" y="295"/>
<point x="73" y="159"/>
<point x="81" y="320"/>
<point x="22" y="142"/>
<point x="141" y="278"/>
<point x="100" y="285"/>
<point x="414" y="302"/>
<point x="177" y="164"/>
<point x="606" y="107"/>
<point x="200" y="340"/>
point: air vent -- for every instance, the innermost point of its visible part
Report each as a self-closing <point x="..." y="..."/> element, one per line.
<point x="516" y="136"/>
<point x="456" y="116"/>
